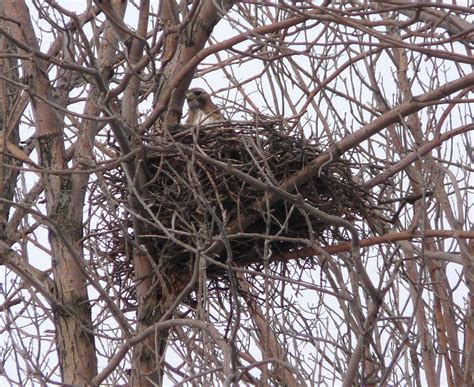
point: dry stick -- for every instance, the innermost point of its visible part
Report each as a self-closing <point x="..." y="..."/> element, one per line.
<point x="274" y="193"/>
<point x="413" y="156"/>
<point x="387" y="238"/>
<point x="373" y="307"/>
<point x="454" y="25"/>
<point x="263" y="329"/>
<point x="160" y="326"/>
<point x="36" y="277"/>
<point x="201" y="55"/>
<point x="389" y="118"/>
<point x="28" y="273"/>
<point x="8" y="304"/>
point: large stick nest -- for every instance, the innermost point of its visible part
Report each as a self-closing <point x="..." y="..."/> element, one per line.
<point x="196" y="203"/>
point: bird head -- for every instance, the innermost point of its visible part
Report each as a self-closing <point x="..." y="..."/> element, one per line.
<point x="197" y="97"/>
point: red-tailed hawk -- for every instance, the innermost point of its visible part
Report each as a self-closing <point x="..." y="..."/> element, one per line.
<point x="202" y="110"/>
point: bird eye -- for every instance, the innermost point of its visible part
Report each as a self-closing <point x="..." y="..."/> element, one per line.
<point x="198" y="92"/>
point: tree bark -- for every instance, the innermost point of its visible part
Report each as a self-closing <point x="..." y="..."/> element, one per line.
<point x="64" y="195"/>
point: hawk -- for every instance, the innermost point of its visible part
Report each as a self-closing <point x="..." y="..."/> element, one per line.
<point x="202" y="110"/>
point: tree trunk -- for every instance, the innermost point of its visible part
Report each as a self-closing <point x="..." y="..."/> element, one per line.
<point x="64" y="195"/>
